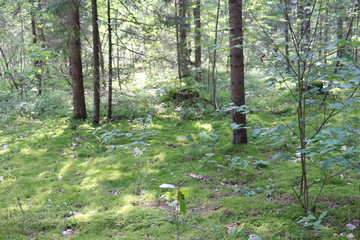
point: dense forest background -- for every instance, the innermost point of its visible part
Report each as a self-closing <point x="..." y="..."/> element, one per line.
<point x="250" y="98"/>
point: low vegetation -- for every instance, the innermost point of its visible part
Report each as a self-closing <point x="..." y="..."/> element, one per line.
<point x="162" y="176"/>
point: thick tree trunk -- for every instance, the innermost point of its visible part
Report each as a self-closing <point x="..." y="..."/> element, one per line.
<point x="109" y="107"/>
<point x="184" y="58"/>
<point x="237" y="70"/>
<point x="197" y="38"/>
<point x="96" y="63"/>
<point x="76" y="72"/>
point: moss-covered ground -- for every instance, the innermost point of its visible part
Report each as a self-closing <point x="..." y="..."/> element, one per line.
<point x="66" y="180"/>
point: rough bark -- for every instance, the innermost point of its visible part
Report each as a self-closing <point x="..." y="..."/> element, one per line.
<point x="96" y="62"/>
<point x="197" y="38"/>
<point x="184" y="58"/>
<point x="37" y="62"/>
<point x="75" y="61"/>
<point x="237" y="70"/>
<point x="109" y="107"/>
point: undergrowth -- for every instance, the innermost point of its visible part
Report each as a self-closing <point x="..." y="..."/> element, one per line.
<point x="62" y="178"/>
<point x="91" y="183"/>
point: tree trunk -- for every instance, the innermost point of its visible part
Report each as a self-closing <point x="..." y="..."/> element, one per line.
<point x="287" y="37"/>
<point x="76" y="72"/>
<point x="37" y="62"/>
<point x="197" y="38"/>
<point x="237" y="70"/>
<point x="96" y="63"/>
<point x="184" y="59"/>
<point x="109" y="108"/>
<point x="213" y="77"/>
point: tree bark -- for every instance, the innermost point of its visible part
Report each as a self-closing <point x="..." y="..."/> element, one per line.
<point x="197" y="38"/>
<point x="287" y="37"/>
<point x="76" y="71"/>
<point x="213" y="77"/>
<point x="109" y="107"/>
<point x="96" y="63"/>
<point x="184" y="57"/>
<point x="237" y="70"/>
<point x="37" y="62"/>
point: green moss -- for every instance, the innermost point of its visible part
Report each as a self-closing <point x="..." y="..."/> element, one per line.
<point x="56" y="178"/>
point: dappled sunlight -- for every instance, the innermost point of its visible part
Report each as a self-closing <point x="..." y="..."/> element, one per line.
<point x="155" y="126"/>
<point x="203" y="126"/>
<point x="160" y="157"/>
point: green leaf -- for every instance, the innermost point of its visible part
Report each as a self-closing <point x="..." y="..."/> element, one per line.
<point x="216" y="228"/>
<point x="283" y="156"/>
<point x="322" y="215"/>
<point x="326" y="164"/>
<point x="182" y="206"/>
<point x="255" y="132"/>
<point x="350" y="101"/>
<point x="336" y="106"/>
<point x="281" y="128"/>
<point x="234" y="126"/>
<point x="180" y="195"/>
<point x="214" y="47"/>
<point x="261" y="163"/>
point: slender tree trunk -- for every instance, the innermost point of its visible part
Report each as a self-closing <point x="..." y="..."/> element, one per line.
<point x="237" y="70"/>
<point x="96" y="63"/>
<point x="43" y="46"/>
<point x="213" y="78"/>
<point x="37" y="62"/>
<point x="357" y="26"/>
<point x="339" y="32"/>
<point x="109" y="109"/>
<point x="177" y="40"/>
<point x="326" y="35"/>
<point x="76" y="72"/>
<point x="287" y="37"/>
<point x="197" y="38"/>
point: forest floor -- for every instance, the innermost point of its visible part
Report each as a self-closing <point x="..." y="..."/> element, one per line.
<point x="61" y="179"/>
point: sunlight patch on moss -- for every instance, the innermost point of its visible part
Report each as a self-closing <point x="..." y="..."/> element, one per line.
<point x="203" y="126"/>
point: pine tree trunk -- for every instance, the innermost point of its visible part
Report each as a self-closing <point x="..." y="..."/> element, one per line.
<point x="197" y="39"/>
<point x="76" y="72"/>
<point x="184" y="57"/>
<point x="237" y="70"/>
<point x="96" y="63"/>
<point x="109" y="108"/>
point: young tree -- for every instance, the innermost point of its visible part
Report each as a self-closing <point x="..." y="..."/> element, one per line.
<point x="237" y="71"/>
<point x="76" y="71"/>
<point x="96" y="62"/>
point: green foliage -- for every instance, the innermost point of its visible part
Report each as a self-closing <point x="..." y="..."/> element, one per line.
<point x="312" y="221"/>
<point x="54" y="104"/>
<point x="178" y="199"/>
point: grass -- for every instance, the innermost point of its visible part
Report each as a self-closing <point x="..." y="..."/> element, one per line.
<point x="60" y="182"/>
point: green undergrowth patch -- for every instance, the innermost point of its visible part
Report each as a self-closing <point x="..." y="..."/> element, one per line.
<point x="62" y="179"/>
